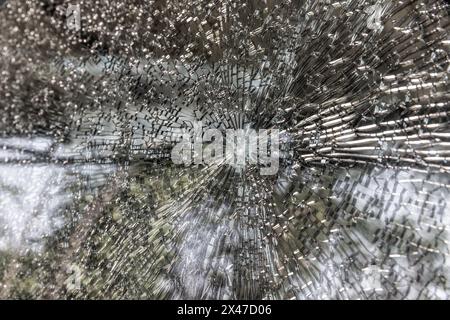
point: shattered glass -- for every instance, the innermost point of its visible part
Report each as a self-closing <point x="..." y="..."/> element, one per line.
<point x="94" y="95"/>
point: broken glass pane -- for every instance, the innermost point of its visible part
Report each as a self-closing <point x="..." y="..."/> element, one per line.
<point x="224" y="150"/>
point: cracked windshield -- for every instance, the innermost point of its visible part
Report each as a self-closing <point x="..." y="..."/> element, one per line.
<point x="224" y="149"/>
